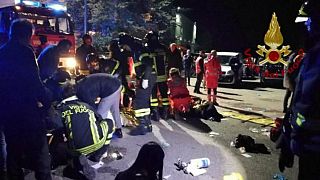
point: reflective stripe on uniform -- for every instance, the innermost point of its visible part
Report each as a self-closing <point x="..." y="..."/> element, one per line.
<point x="142" y="112"/>
<point x="300" y="119"/>
<point x="154" y="102"/>
<point x="162" y="78"/>
<point x="137" y="64"/>
<point x="115" y="68"/>
<point x="93" y="127"/>
<point x="143" y="55"/>
<point x="68" y="118"/>
<point x="165" y="101"/>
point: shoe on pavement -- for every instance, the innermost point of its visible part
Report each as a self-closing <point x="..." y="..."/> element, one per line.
<point x="139" y="130"/>
<point x="118" y="133"/>
<point x="87" y="170"/>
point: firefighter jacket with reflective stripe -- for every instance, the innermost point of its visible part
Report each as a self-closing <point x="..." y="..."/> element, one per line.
<point x="200" y="65"/>
<point x="85" y="130"/>
<point x="110" y="66"/>
<point x="143" y="65"/>
<point x="159" y="56"/>
<point x="306" y="104"/>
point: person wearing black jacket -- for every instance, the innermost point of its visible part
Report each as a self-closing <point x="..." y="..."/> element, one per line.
<point x="187" y="62"/>
<point x="174" y="58"/>
<point x="49" y="58"/>
<point x="85" y="49"/>
<point x="107" y="88"/>
<point x="23" y="100"/>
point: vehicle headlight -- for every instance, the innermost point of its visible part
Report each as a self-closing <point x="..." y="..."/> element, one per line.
<point x="70" y="62"/>
<point x="230" y="72"/>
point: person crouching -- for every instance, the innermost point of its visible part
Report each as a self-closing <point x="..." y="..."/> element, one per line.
<point x="88" y="135"/>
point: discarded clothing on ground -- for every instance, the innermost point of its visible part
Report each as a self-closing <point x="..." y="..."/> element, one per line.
<point x="249" y="144"/>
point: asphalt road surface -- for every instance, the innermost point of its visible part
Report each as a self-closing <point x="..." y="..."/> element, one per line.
<point x="248" y="110"/>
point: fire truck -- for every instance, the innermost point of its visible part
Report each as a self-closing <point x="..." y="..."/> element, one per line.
<point x="50" y="20"/>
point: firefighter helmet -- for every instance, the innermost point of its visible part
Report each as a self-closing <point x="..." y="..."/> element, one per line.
<point x="151" y="36"/>
<point x="125" y="38"/>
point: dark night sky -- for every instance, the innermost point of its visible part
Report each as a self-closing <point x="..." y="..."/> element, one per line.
<point x="235" y="25"/>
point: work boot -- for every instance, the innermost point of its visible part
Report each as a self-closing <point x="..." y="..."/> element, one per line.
<point x="148" y="123"/>
<point x="118" y="133"/>
<point x="141" y="129"/>
<point x="155" y="114"/>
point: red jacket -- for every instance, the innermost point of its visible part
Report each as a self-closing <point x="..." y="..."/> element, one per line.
<point x="212" y="72"/>
<point x="177" y="87"/>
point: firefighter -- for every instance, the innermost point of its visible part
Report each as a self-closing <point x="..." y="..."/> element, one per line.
<point x="158" y="52"/>
<point x="88" y="135"/>
<point x="145" y="81"/>
<point x="122" y="57"/>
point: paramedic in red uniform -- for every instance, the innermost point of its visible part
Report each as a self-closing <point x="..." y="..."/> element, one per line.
<point x="212" y="72"/>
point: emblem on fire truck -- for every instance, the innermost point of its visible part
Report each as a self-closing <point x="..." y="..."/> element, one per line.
<point x="274" y="39"/>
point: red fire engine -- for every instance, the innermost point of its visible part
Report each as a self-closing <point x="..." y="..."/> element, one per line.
<point x="50" y="20"/>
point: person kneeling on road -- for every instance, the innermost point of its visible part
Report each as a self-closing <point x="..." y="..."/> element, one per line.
<point x="106" y="87"/>
<point x="86" y="132"/>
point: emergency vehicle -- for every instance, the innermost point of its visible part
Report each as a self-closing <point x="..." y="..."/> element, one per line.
<point x="50" y="20"/>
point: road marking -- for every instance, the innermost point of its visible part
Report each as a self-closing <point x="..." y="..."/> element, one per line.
<point x="166" y="124"/>
<point x="157" y="134"/>
<point x="246" y="155"/>
<point x="249" y="118"/>
<point x="233" y="176"/>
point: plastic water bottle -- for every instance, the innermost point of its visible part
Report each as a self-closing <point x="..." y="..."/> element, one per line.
<point x="279" y="177"/>
<point x="200" y="163"/>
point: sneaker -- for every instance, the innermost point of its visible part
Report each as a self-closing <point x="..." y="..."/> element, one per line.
<point x="87" y="170"/>
<point x="118" y="133"/>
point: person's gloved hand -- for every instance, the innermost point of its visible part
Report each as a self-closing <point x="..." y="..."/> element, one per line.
<point x="286" y="157"/>
<point x="144" y="83"/>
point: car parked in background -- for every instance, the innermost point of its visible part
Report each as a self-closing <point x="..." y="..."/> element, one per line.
<point x="231" y="67"/>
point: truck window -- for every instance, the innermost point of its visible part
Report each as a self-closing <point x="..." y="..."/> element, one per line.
<point x="48" y="24"/>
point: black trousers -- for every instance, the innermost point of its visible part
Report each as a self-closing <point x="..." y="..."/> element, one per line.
<point x="27" y="147"/>
<point x="198" y="82"/>
<point x="141" y="102"/>
<point x="309" y="166"/>
<point x="163" y="89"/>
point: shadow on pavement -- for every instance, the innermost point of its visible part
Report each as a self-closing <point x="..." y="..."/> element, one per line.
<point x="198" y="124"/>
<point x="222" y="97"/>
<point x="226" y="93"/>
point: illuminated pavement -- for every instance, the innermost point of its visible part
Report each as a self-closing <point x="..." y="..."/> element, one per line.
<point x="247" y="111"/>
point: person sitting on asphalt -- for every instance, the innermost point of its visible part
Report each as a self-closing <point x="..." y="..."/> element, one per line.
<point x="148" y="165"/>
<point x="88" y="135"/>
<point x="180" y="99"/>
<point x="108" y="89"/>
